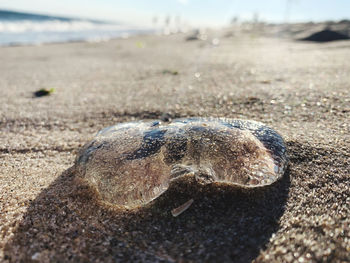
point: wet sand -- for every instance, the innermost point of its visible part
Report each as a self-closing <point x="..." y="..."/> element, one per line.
<point x="300" y="89"/>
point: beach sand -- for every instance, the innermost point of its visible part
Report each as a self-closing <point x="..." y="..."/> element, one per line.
<point x="300" y="89"/>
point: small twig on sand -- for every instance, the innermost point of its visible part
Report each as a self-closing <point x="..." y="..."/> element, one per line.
<point x="182" y="208"/>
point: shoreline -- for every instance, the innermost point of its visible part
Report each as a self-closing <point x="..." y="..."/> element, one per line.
<point x="124" y="35"/>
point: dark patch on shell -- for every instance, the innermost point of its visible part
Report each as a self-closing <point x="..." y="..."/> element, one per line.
<point x="152" y="141"/>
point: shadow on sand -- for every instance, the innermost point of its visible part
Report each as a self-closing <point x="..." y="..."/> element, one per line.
<point x="66" y="223"/>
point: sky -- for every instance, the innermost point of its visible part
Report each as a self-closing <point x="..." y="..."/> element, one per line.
<point x="194" y="12"/>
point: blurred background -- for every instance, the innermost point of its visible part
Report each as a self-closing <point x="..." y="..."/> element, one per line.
<point x="46" y="21"/>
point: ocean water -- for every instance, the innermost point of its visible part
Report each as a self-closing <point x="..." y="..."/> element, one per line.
<point x="32" y="29"/>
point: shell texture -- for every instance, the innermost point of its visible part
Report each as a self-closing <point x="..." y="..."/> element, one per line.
<point x="130" y="164"/>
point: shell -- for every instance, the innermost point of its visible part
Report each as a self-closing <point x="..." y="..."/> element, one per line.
<point x="130" y="164"/>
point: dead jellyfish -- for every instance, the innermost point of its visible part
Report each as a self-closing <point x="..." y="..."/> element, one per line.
<point x="130" y="164"/>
